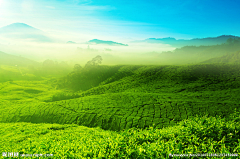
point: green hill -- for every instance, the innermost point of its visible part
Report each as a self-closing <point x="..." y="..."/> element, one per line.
<point x="143" y="111"/>
<point x="16" y="68"/>
<point x="229" y="58"/>
<point x="12" y="60"/>
<point x="137" y="96"/>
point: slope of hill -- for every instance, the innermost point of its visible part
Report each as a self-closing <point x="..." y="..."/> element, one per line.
<point x="229" y="58"/>
<point x="17" y="27"/>
<point x="25" y="32"/>
<point x="15" y="68"/>
<point x="128" y="101"/>
<point x="196" y="42"/>
<point x="12" y="60"/>
<point x="138" y="96"/>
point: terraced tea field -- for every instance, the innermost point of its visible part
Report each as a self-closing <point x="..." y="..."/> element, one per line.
<point x="132" y="97"/>
<point x="205" y="136"/>
<point x="116" y="111"/>
<point x="143" y="96"/>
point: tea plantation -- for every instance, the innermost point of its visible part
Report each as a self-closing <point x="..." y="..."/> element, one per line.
<point x="118" y="104"/>
<point x="206" y="136"/>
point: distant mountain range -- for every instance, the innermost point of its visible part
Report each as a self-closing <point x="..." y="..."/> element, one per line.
<point x="207" y="54"/>
<point x="97" y="41"/>
<point x="71" y="42"/>
<point x="193" y="42"/>
<point x="24" y="32"/>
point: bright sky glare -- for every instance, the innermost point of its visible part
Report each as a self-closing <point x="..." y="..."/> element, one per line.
<point x="125" y="19"/>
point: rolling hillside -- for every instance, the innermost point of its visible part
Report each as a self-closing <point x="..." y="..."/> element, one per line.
<point x="129" y="111"/>
<point x="138" y="96"/>
<point x="12" y="60"/>
<point x="16" y="68"/>
<point x="229" y="58"/>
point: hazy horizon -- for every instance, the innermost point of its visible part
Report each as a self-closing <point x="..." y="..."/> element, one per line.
<point x="40" y="30"/>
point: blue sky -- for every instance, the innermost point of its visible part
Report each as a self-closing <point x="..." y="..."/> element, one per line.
<point x="125" y="19"/>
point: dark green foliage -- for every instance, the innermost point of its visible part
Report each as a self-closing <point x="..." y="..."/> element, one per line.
<point x="233" y="41"/>
<point x="89" y="77"/>
<point x="77" y="68"/>
<point x="153" y="79"/>
<point x="96" y="61"/>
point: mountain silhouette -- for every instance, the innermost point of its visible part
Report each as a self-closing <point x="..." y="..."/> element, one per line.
<point x="227" y="52"/>
<point x="192" y="42"/>
<point x="23" y="31"/>
<point x="71" y="42"/>
<point x="97" y="41"/>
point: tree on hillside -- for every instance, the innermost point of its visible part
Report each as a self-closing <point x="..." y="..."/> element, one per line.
<point x="94" y="62"/>
<point x="233" y="41"/>
<point x="77" y="68"/>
